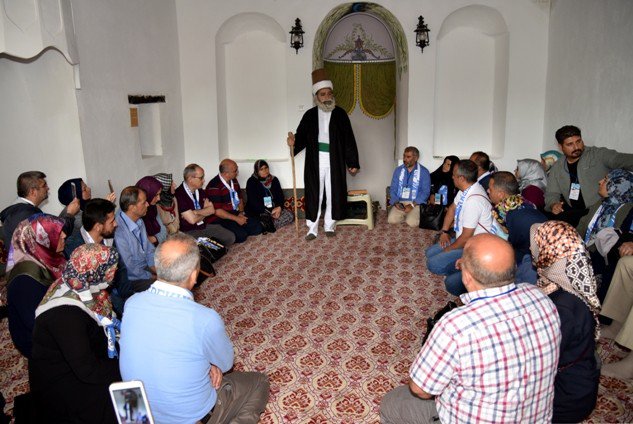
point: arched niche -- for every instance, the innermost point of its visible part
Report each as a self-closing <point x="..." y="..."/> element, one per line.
<point x="471" y="86"/>
<point x="250" y="53"/>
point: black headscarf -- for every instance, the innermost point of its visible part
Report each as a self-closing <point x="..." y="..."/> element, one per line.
<point x="440" y="178"/>
<point x="65" y="193"/>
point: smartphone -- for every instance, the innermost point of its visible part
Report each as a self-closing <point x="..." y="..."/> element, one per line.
<point x="130" y="402"/>
<point x="73" y="188"/>
<point x="110" y="186"/>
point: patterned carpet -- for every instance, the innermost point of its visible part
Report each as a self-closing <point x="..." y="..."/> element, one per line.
<point x="334" y="322"/>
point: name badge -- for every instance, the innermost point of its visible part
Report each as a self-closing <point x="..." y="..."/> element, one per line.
<point x="438" y="198"/>
<point x="268" y="201"/>
<point x="574" y="192"/>
<point x="406" y="192"/>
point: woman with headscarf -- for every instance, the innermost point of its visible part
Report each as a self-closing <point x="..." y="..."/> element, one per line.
<point x="66" y="194"/>
<point x="36" y="259"/>
<point x="532" y="181"/>
<point x="565" y="275"/>
<point x="443" y="177"/>
<point x="74" y="341"/>
<point x="167" y="205"/>
<point x="156" y="231"/>
<point x="616" y="190"/>
<point x="265" y="198"/>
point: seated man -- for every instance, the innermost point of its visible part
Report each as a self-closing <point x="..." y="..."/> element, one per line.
<point x="179" y="349"/>
<point x="98" y="225"/>
<point x="32" y="191"/>
<point x="471" y="215"/>
<point x="410" y="187"/>
<point x="572" y="182"/>
<point x="514" y="216"/>
<point x="224" y="192"/>
<point x="483" y="168"/>
<point x="492" y="360"/>
<point x="194" y="207"/>
<point x="135" y="250"/>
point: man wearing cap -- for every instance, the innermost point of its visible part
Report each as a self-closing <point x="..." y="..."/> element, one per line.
<point x="326" y="134"/>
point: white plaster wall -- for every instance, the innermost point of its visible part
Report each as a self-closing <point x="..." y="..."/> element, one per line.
<point x="39" y="124"/>
<point x="199" y="20"/>
<point x="590" y="72"/>
<point x="127" y="47"/>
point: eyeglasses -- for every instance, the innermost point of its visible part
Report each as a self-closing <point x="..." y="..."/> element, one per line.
<point x="200" y="177"/>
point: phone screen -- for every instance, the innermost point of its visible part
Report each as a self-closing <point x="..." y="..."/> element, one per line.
<point x="110" y="186"/>
<point x="131" y="406"/>
<point x="73" y="188"/>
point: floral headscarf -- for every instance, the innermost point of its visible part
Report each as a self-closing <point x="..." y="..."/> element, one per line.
<point x="510" y="203"/>
<point x="619" y="192"/>
<point x="36" y="240"/>
<point x="531" y="173"/>
<point x="562" y="261"/>
<point x="87" y="274"/>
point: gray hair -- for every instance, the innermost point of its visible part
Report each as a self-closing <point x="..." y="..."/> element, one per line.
<point x="190" y="170"/>
<point x="487" y="277"/>
<point x="177" y="268"/>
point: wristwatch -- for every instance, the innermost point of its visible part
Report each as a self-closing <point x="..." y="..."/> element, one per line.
<point x="446" y="231"/>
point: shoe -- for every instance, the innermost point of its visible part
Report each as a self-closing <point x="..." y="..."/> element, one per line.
<point x="310" y="237"/>
<point x="330" y="233"/>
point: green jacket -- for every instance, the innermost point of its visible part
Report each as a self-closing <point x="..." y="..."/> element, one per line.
<point x="594" y="164"/>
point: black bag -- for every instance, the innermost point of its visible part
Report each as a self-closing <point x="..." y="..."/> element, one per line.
<point x="210" y="251"/>
<point x="430" y="322"/>
<point x="432" y="216"/>
<point x="267" y="222"/>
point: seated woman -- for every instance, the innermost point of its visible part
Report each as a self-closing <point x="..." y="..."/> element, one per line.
<point x="532" y="181"/>
<point x="82" y="192"/>
<point x="616" y="190"/>
<point x="156" y="231"/>
<point x="566" y="276"/>
<point x="74" y="355"/>
<point x="167" y="205"/>
<point x="265" y="197"/>
<point x="36" y="259"/>
<point x="443" y="176"/>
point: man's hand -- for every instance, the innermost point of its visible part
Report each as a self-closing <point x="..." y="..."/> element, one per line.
<point x="73" y="207"/>
<point x="216" y="377"/>
<point x="399" y="206"/>
<point x="241" y="219"/>
<point x="444" y="240"/>
<point x="291" y="139"/>
<point x="557" y="208"/>
<point x="626" y="249"/>
<point x="408" y="208"/>
<point x="111" y="197"/>
<point x="352" y="171"/>
<point x="208" y="207"/>
<point x="276" y="213"/>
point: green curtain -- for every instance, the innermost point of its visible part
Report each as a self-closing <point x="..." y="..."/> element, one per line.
<point x="377" y="88"/>
<point x="342" y="76"/>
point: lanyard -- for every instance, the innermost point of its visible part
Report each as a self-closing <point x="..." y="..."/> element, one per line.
<point x="458" y="209"/>
<point x="235" y="201"/>
<point x="493" y="296"/>
<point x="196" y="203"/>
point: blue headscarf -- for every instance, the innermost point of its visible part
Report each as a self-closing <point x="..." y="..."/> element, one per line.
<point x="619" y="192"/>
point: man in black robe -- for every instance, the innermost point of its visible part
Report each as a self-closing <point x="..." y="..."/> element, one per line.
<point x="326" y="134"/>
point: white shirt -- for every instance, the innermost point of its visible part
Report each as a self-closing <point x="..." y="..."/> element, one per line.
<point x="476" y="211"/>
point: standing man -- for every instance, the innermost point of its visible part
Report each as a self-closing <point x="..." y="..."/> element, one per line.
<point x="410" y="187"/>
<point x="572" y="183"/>
<point x="224" y="192"/>
<point x="194" y="207"/>
<point x="180" y="350"/>
<point x="492" y="360"/>
<point x="326" y="134"/>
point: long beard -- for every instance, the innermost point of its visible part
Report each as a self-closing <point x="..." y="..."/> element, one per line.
<point x="327" y="106"/>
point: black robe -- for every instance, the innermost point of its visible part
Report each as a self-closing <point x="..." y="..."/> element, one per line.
<point x="343" y="155"/>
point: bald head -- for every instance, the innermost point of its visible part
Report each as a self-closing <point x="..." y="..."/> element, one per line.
<point x="177" y="258"/>
<point x="489" y="261"/>
<point x="227" y="166"/>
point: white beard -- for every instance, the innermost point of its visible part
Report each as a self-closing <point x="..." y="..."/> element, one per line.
<point x="325" y="107"/>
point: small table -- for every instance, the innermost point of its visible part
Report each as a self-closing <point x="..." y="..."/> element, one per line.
<point x="359" y="196"/>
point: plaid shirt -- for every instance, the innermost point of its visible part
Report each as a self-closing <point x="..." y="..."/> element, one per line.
<point x="493" y="360"/>
<point x="220" y="196"/>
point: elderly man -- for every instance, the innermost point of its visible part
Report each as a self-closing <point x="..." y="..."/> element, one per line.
<point x="32" y="191"/>
<point x="514" y="216"/>
<point x="326" y="134"/>
<point x="194" y="207"/>
<point x="225" y="194"/>
<point x="492" y="360"/>
<point x="483" y="168"/>
<point x="470" y="214"/>
<point x="410" y="187"/>
<point x="180" y="350"/>
<point x="572" y="183"/>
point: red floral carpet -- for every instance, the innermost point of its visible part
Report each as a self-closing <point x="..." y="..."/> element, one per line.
<point x="334" y="322"/>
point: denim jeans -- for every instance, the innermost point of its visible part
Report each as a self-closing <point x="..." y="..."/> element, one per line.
<point x="443" y="263"/>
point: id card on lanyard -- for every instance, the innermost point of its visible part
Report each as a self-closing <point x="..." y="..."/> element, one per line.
<point x="235" y="198"/>
<point x="574" y="191"/>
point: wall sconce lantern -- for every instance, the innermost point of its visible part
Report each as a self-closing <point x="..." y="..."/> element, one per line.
<point x="421" y="34"/>
<point x="296" y="36"/>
